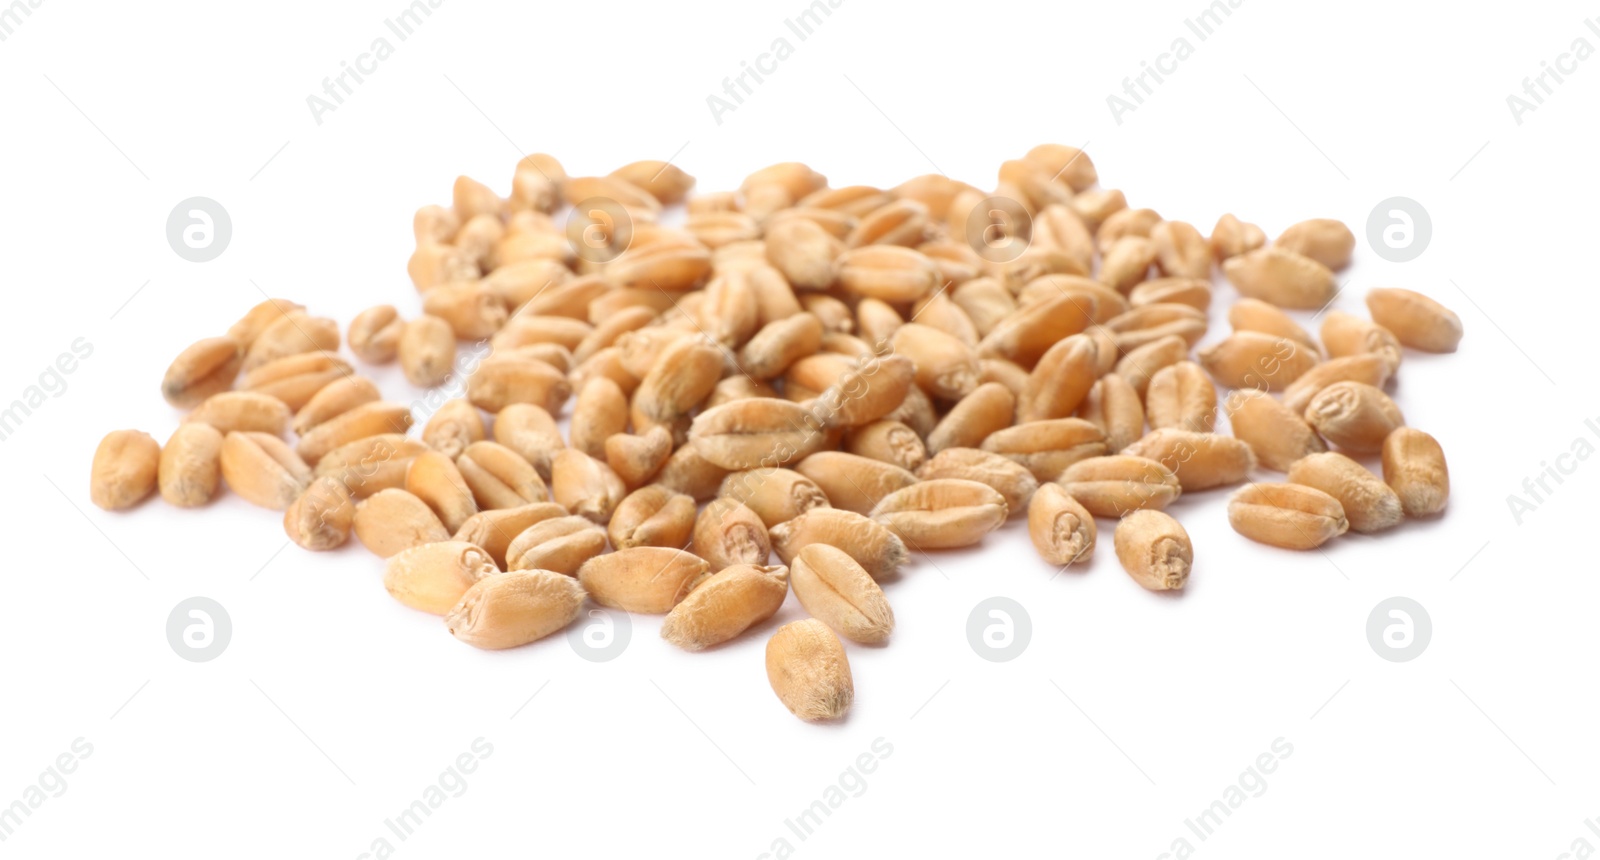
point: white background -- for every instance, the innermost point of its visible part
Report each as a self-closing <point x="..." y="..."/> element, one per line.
<point x="334" y="706"/>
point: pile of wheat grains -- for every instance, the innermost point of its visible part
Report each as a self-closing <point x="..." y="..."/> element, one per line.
<point x="834" y="375"/>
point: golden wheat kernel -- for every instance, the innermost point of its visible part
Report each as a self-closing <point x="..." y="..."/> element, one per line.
<point x="473" y="309"/>
<point x="1061" y="379"/>
<point x="334" y="399"/>
<point x="1250" y="359"/>
<point x="368" y="419"/>
<point x="1354" y="416"/>
<point x="1276" y="434"/>
<point x="434" y="263"/>
<point x="190" y="466"/>
<point x="561" y="544"/>
<point x="838" y="592"/>
<point x="1154" y="549"/>
<point x="809" y="672"/>
<point x="1030" y="330"/>
<point x="760" y="432"/>
<point x="889" y="442"/>
<point x="988" y="409"/>
<point x="263" y="469"/>
<point x="647" y="579"/>
<point x="1369" y="504"/>
<point x="726" y="604"/>
<point x="1414" y="466"/>
<point x="1325" y="240"/>
<point x="804" y="251"/>
<point x="1114" y="406"/>
<point x="502" y="380"/>
<point x="258" y="318"/>
<point x="943" y="513"/>
<point x="1124" y="224"/>
<point x="427" y="351"/>
<point x="322" y="517"/>
<point x="1345" y="334"/>
<point x="1145" y="361"/>
<point x="1282" y="278"/>
<point x="1257" y="315"/>
<point x="530" y="431"/>
<point x="1290" y="516"/>
<point x="1062" y="530"/>
<point x="292" y="334"/>
<point x="393" y="520"/>
<point x="727" y="533"/>
<point x="243" y="411"/>
<point x="1367" y="368"/>
<point x="1045" y="448"/>
<point x="1181" y="396"/>
<point x="652" y="516"/>
<point x="1112" y="486"/>
<point x="601" y="411"/>
<point x="1010" y="479"/>
<point x="775" y="495"/>
<point x="887" y="272"/>
<point x="296" y="379"/>
<point x="506" y="610"/>
<point x="1418" y="321"/>
<point x="434" y="478"/>
<point x="1193" y="292"/>
<point x="852" y="482"/>
<point x="1232" y="237"/>
<point x="371" y="464"/>
<point x="204" y="368"/>
<point x="495" y="530"/>
<point x="1200" y="460"/>
<point x="584" y="485"/>
<point x="125" y="469"/>
<point x="433" y="577"/>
